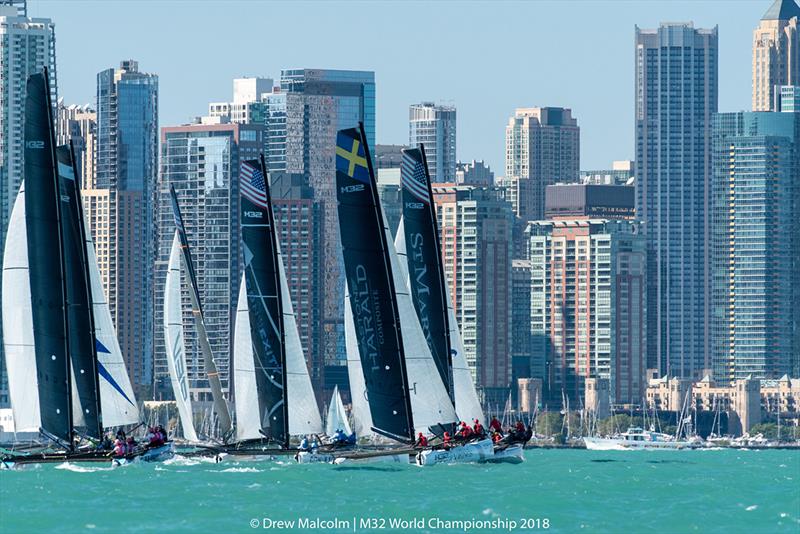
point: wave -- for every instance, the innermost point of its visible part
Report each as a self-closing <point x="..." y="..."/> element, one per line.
<point x="77" y="468"/>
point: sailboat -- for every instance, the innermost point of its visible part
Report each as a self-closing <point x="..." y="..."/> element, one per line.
<point x="417" y="244"/>
<point x="337" y="418"/>
<point x="57" y="321"/>
<point x="403" y="389"/>
<point x="180" y="260"/>
<point x="274" y="396"/>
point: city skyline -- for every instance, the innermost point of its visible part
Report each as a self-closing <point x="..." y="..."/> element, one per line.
<point x="608" y="129"/>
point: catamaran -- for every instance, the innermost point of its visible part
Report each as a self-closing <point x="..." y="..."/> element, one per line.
<point x="274" y="396"/>
<point x="395" y="377"/>
<point x="417" y="244"/>
<point x="67" y="378"/>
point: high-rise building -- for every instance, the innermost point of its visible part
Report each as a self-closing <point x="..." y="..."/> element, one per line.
<point x="776" y="53"/>
<point x="388" y="156"/>
<point x="247" y="104"/>
<point x="622" y="172"/>
<point x="122" y="211"/>
<point x="78" y="125"/>
<point x="26" y="46"/>
<point x="756" y="245"/>
<point x="588" y="305"/>
<point x="571" y="201"/>
<point x="434" y="126"/>
<point x="475" y="226"/>
<point x="391" y="196"/>
<point x="202" y="163"/>
<point x="474" y="173"/>
<point x="542" y="148"/>
<point x="318" y="103"/>
<point x="788" y="98"/>
<point x="676" y="95"/>
<point x="521" y="354"/>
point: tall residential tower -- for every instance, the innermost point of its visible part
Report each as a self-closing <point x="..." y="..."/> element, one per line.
<point x="435" y="127"/>
<point x="676" y="95"/>
<point x="776" y="53"/>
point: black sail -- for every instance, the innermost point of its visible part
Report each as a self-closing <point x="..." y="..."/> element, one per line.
<point x="372" y="293"/>
<point x="426" y="274"/>
<point x="80" y="316"/>
<point x="262" y="284"/>
<point x="45" y="262"/>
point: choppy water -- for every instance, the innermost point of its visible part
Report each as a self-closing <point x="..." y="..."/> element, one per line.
<point x="575" y="491"/>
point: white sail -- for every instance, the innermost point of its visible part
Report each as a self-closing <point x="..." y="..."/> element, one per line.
<point x="430" y="402"/>
<point x="362" y="418"/>
<point x="337" y="418"/>
<point x="174" y="341"/>
<point x="117" y="401"/>
<point x="468" y="408"/>
<point x="304" y="415"/>
<point x="248" y="421"/>
<point x="18" y="323"/>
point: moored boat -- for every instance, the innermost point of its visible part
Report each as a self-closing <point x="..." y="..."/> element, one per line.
<point x="636" y="438"/>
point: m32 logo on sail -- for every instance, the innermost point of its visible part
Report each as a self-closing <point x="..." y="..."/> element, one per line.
<point x="35" y="145"/>
<point x="253" y="214"/>
<point x="415" y="205"/>
<point x="352" y="188"/>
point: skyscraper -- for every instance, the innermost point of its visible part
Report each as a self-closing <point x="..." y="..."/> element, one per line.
<point x="121" y="206"/>
<point x="676" y="95"/>
<point x="202" y="163"/>
<point x="587" y="301"/>
<point x="318" y="103"/>
<point x="26" y="46"/>
<point x="776" y="53"/>
<point x="542" y="148"/>
<point x="475" y="227"/>
<point x="756" y="245"/>
<point x="435" y="127"/>
<point x="78" y="124"/>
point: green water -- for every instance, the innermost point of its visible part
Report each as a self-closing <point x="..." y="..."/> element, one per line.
<point x="574" y="490"/>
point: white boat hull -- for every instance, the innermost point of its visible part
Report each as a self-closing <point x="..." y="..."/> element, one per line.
<point x="389" y="458"/>
<point x="479" y="451"/>
<point x="513" y="454"/>
<point x="306" y="457"/>
<point x="614" y="444"/>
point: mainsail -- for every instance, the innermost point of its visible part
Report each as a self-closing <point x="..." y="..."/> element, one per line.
<point x="46" y="264"/>
<point x="18" y="339"/>
<point x="220" y="406"/>
<point x="80" y="317"/>
<point x="372" y="294"/>
<point x="337" y="418"/>
<point x="174" y="340"/>
<point x="424" y="262"/>
<point x="418" y="244"/>
<point x="260" y="361"/>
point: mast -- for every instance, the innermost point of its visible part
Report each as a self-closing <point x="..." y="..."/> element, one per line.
<point x="197" y="312"/>
<point x="260" y="352"/>
<point x="79" y="309"/>
<point x="371" y="288"/>
<point x="46" y="264"/>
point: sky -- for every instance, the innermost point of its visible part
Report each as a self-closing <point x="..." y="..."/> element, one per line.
<point x="486" y="58"/>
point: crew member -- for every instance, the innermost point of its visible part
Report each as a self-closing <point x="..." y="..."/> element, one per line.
<point x="478" y="429"/>
<point x="494" y="425"/>
<point x="422" y="441"/>
<point x="446" y="440"/>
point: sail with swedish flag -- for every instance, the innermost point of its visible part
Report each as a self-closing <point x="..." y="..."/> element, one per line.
<point x="403" y="388"/>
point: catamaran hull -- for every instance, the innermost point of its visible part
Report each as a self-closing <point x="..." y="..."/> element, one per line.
<point x="512" y="454"/>
<point x="479" y="451"/>
<point x="305" y="457"/>
<point x="402" y="458"/>
<point x="155" y="454"/>
<point x="612" y="444"/>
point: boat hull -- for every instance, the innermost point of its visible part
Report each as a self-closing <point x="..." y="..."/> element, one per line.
<point x="512" y="454"/>
<point x="479" y="451"/>
<point x="153" y="454"/>
<point x="613" y="444"/>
